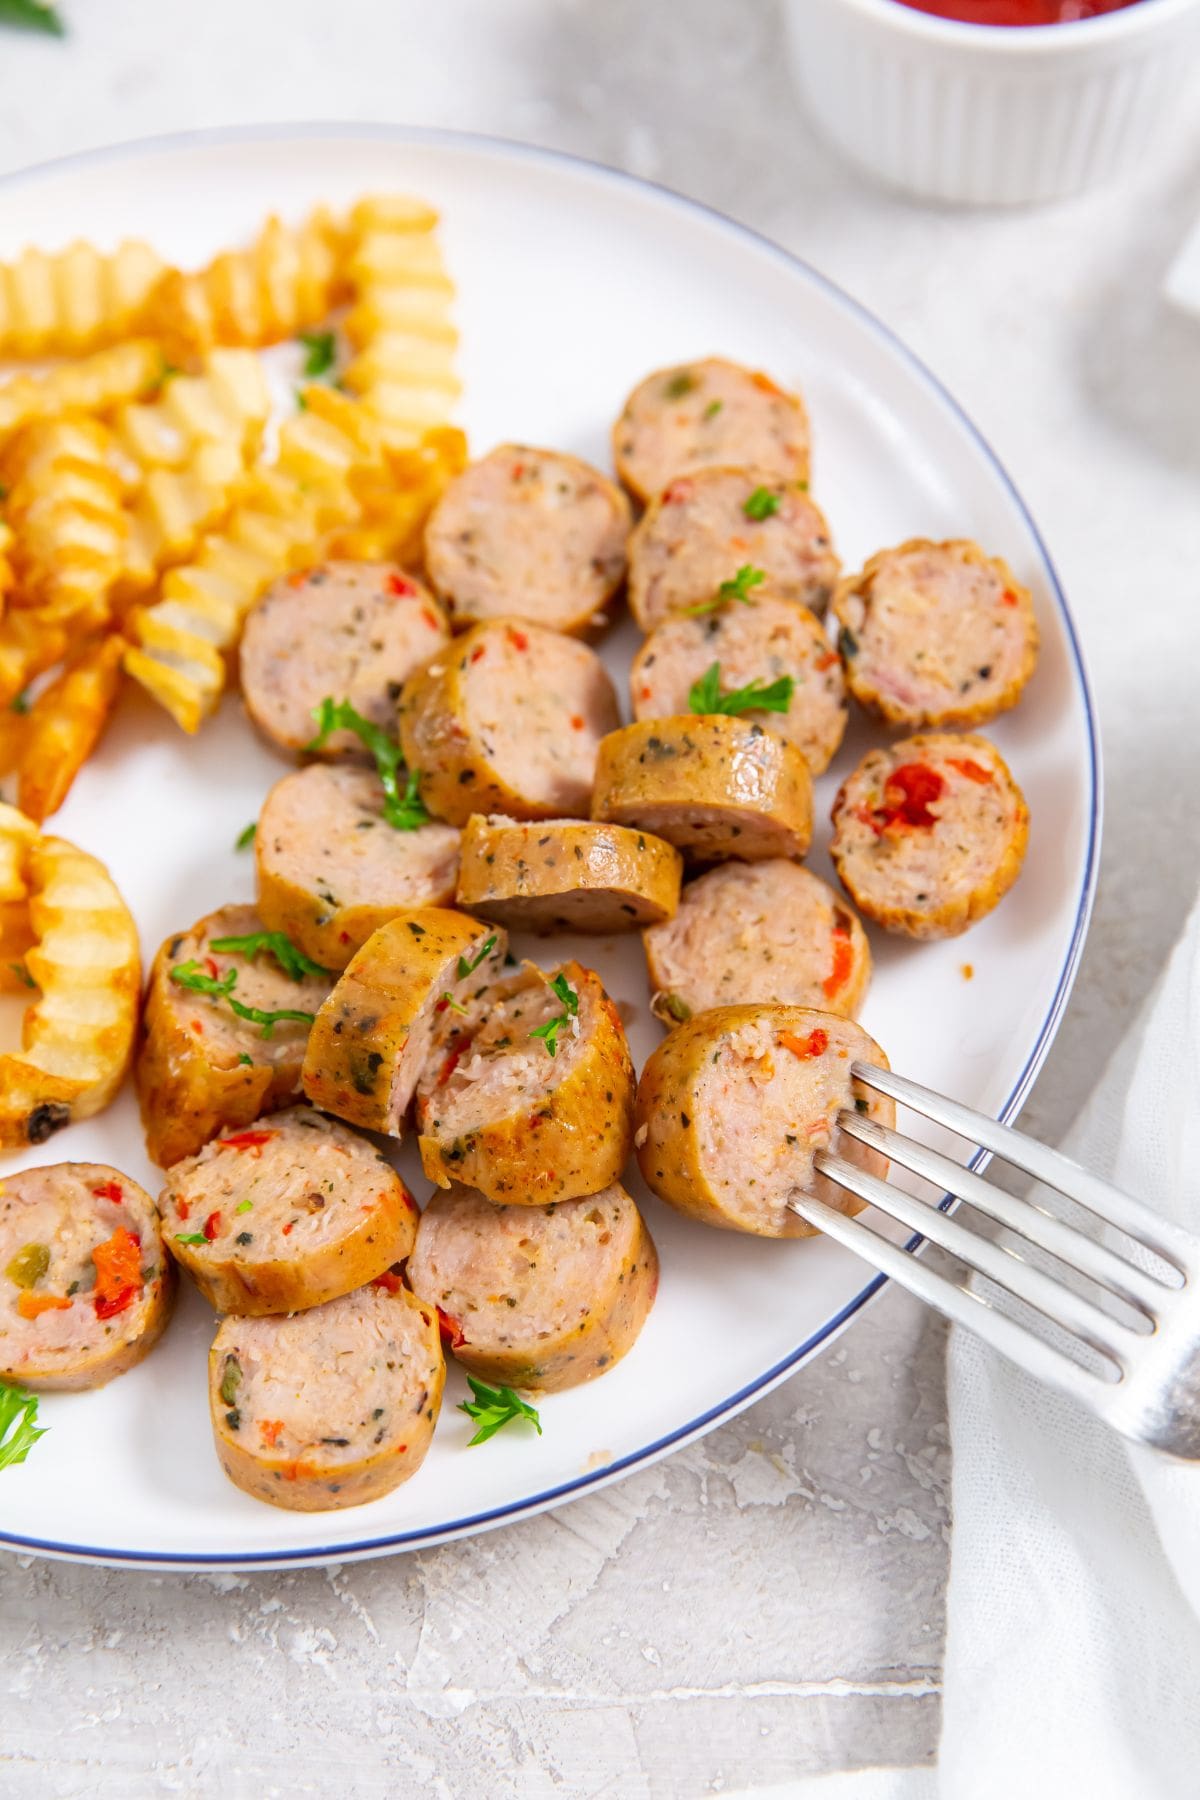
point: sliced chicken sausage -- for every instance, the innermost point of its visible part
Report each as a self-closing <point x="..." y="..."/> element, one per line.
<point x="565" y="875"/>
<point x="529" y="1097"/>
<point x="347" y="630"/>
<point x="530" y="534"/>
<point x="85" y="1286"/>
<point x="508" y="719"/>
<point x="714" y="786"/>
<point x="734" y="1105"/>
<point x="936" y="634"/>
<point x="287" y="1215"/>
<point x="703" y="413"/>
<point x="375" y="1031"/>
<point x="202" y="1068"/>
<point x="764" y="931"/>
<point x="331" y="869"/>
<point x="330" y="1407"/>
<point x="929" y="834"/>
<point x="715" y="536"/>
<point x="764" y="642"/>
<point x="541" y="1297"/>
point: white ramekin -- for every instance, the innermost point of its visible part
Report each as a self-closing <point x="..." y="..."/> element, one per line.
<point x="991" y="114"/>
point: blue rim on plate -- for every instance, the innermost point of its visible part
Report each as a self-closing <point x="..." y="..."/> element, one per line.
<point x="509" y="1514"/>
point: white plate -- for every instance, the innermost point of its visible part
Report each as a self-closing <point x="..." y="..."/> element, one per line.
<point x="574" y="282"/>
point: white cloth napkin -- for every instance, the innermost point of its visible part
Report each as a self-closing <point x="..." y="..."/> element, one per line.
<point x="1073" y="1645"/>
<point x="1073" y="1640"/>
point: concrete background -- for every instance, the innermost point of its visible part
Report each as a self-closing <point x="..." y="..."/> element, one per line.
<point x="769" y="1602"/>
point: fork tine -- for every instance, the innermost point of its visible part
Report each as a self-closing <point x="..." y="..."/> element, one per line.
<point x="1135" y="1286"/>
<point x="1167" y="1240"/>
<point x="1061" y="1305"/>
<point x="961" y="1304"/>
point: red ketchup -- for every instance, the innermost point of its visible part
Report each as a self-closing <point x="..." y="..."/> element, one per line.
<point x="1017" y="12"/>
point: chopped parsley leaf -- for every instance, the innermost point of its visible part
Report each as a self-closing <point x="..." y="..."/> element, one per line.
<point x="19" y="1430"/>
<point x="493" y="1408"/>
<point x="403" y="811"/>
<point x="757" y="696"/>
<point x="761" y="504"/>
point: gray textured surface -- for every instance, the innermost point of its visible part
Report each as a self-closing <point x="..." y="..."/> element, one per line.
<point x="767" y="1602"/>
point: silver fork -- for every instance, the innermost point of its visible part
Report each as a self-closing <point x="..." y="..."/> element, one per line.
<point x="1143" y="1376"/>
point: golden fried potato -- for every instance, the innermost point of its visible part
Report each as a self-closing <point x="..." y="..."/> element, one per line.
<point x="78" y="1033"/>
<point x="289" y="279"/>
<point x="400" y="324"/>
<point x="71" y="530"/>
<point x="93" y="384"/>
<point x="64" y="725"/>
<point x="75" y="300"/>
<point x="29" y="644"/>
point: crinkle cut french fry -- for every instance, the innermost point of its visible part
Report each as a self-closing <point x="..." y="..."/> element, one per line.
<point x="17" y="835"/>
<point x="400" y="321"/>
<point x="178" y="653"/>
<point x="75" y="300"/>
<point x="396" y="500"/>
<point x="78" y="1032"/>
<point x="29" y="644"/>
<point x="289" y="279"/>
<point x="93" y="384"/>
<point x="64" y="503"/>
<point x="64" y="725"/>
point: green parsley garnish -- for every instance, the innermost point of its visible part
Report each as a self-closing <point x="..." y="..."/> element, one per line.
<point x="713" y="408"/>
<point x="22" y="974"/>
<point x="757" y="696"/>
<point x="191" y="975"/>
<point x="245" y="837"/>
<point x="321" y="347"/>
<point x="244" y="1206"/>
<point x="550" y="1030"/>
<point x="403" y="811"/>
<point x="190" y="1237"/>
<point x="449" y="1000"/>
<point x="466" y="968"/>
<point x="493" y="1408"/>
<point x="761" y="504"/>
<point x="21" y="703"/>
<point x="679" y="384"/>
<point x="301" y="402"/>
<point x="245" y="1062"/>
<point x="19" y="1431"/>
<point x="278" y="944"/>
<point x="737" y="588"/>
<point x="32" y="15"/>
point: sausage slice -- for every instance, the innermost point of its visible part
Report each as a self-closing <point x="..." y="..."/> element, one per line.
<point x="331" y="870"/>
<point x="714" y="786"/>
<point x="765" y="931"/>
<point x="509" y="720"/>
<point x="526" y="1111"/>
<point x="376" y="1029"/>
<point x="330" y="1407"/>
<point x="929" y="834"/>
<point x="734" y="1105"/>
<point x="85" y="1288"/>
<point x="759" y="642"/>
<point x="531" y="534"/>
<point x="936" y="634"/>
<point x="353" y="631"/>
<point x="540" y="1297"/>
<point x="201" y="1068"/>
<point x="564" y="875"/>
<point x="287" y="1215"/>
<point x="740" y="528"/>
<point x="702" y="413"/>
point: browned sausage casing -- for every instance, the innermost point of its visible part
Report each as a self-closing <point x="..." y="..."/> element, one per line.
<point x="371" y="1038"/>
<point x="200" y="1068"/>
<point x="566" y="875"/>
<point x="287" y="1215"/>
<point x="498" y="1112"/>
<point x="713" y="785"/>
<point x="733" y="1106"/>
<point x="331" y="870"/>
<point x="508" y="719"/>
<point x="85" y="1286"/>
<point x="330" y="1407"/>
<point x="538" y="1297"/>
